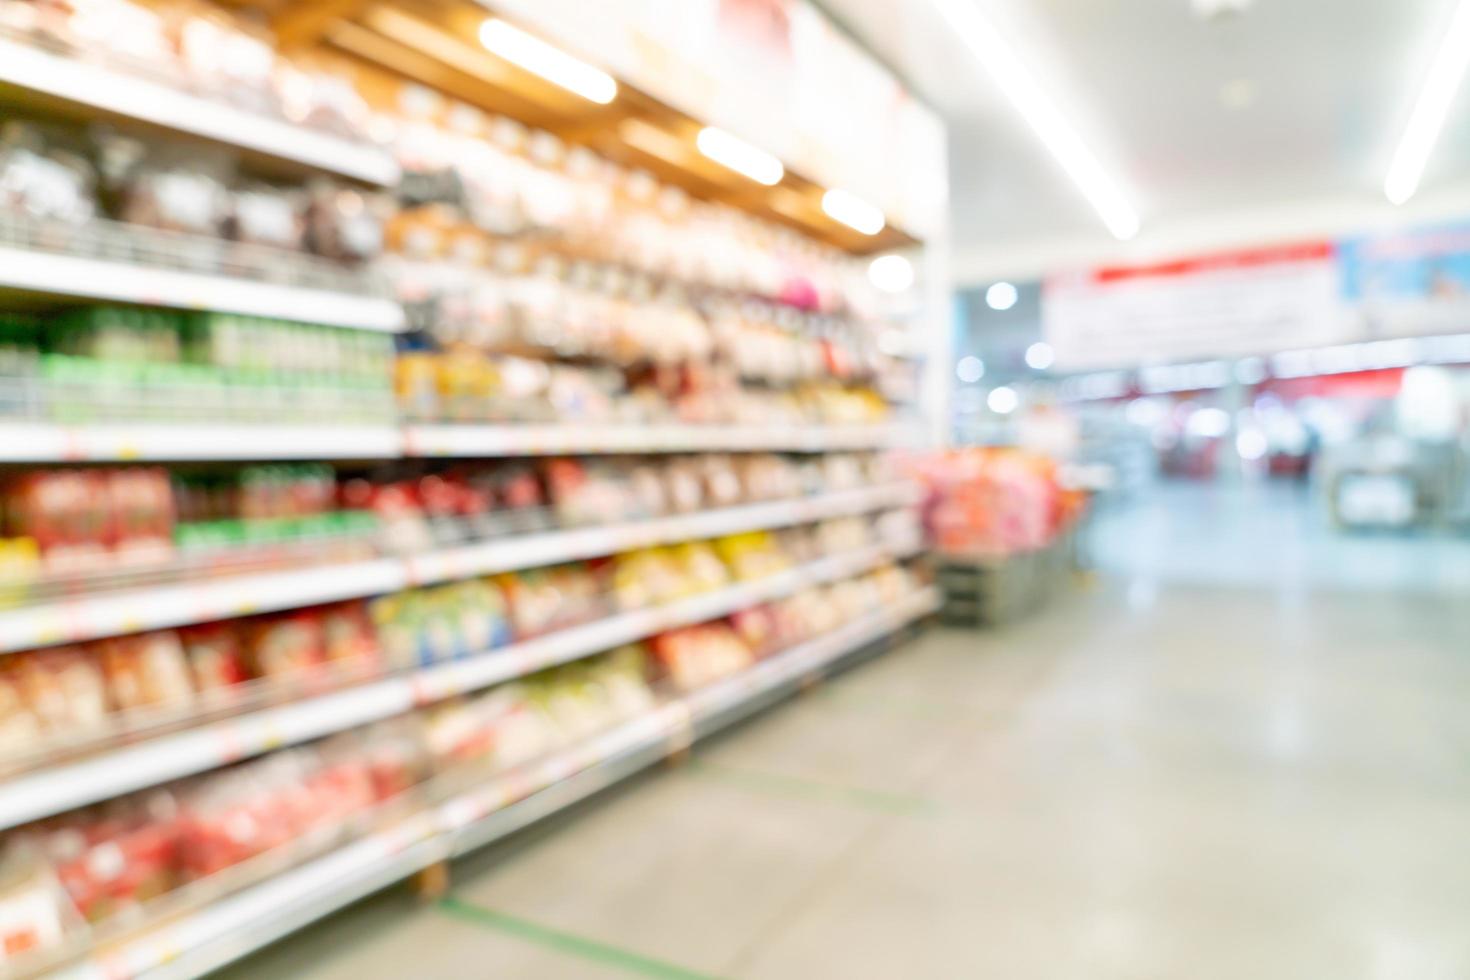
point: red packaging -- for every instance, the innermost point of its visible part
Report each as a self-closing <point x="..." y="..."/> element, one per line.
<point x="140" y="508"/>
<point x="348" y="636"/>
<point x="286" y="646"/>
<point x="215" y="655"/>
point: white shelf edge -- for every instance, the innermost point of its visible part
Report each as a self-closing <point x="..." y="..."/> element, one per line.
<point x="36" y="442"/>
<point x="109" y="774"/>
<point x="45" y="443"/>
<point x="249" y="920"/>
<point x="58" y="274"/>
<point x="98" y="87"/>
<point x="160" y="607"/>
<point x="578" y="543"/>
<point x="538" y="440"/>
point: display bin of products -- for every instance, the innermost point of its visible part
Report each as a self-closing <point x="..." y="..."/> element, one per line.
<point x="1004" y="528"/>
<point x="998" y="589"/>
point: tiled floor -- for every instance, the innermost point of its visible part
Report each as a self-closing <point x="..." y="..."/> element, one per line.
<point x="1180" y="779"/>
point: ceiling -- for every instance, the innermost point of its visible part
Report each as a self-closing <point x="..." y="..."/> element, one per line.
<point x="1293" y="102"/>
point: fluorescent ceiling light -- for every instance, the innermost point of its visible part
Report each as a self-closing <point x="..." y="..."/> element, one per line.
<point x="733" y="152"/>
<point x="852" y="211"/>
<point x="552" y="64"/>
<point x="994" y="53"/>
<point x="1430" y="111"/>
<point x="891" y="273"/>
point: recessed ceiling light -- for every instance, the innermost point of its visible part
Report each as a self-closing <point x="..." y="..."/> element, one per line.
<point x="1238" y="94"/>
<point x="1001" y="296"/>
<point x="1039" y="356"/>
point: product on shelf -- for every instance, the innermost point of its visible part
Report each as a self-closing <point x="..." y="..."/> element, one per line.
<point x="698" y="655"/>
<point x="517" y="722"/>
<point x="546" y="599"/>
<point x="178" y="205"/>
<point x="70" y="530"/>
<point x="65" y="696"/>
<point x="116" y="857"/>
<point x="112" y="364"/>
<point x="35" y="911"/>
<point x="752" y="555"/>
<point x="86" y="519"/>
<point x="446" y="622"/>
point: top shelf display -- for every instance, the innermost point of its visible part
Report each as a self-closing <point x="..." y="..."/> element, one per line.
<point x="28" y="71"/>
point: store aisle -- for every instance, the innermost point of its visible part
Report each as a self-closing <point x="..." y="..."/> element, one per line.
<point x="1271" y="534"/>
<point x="1213" y="783"/>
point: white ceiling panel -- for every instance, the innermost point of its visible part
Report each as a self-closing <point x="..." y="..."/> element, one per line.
<point x="1295" y="100"/>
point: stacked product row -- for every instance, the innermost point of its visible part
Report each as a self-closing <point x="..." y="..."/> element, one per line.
<point x="98" y="872"/>
<point x="505" y="181"/>
<point x="487" y="317"/>
<point x="67" y="697"/>
<point x="69" y="529"/>
<point x="117" y="364"/>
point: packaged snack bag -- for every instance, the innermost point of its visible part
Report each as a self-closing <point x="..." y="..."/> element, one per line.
<point x="147" y="671"/>
<point x="216" y="656"/>
<point x="65" y="689"/>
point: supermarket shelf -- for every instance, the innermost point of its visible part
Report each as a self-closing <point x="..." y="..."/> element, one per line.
<point x="591" y="542"/>
<point x="59" y="788"/>
<point x="81" y="618"/>
<point x="102" y="89"/>
<point x="538" y="440"/>
<point x="44" y="443"/>
<point x="41" y="443"/>
<point x="233" y="927"/>
<point x="58" y="274"/>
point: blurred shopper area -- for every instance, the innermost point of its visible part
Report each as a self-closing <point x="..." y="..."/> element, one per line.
<point x="758" y="489"/>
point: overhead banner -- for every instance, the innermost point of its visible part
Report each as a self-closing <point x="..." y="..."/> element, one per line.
<point x="776" y="73"/>
<point x="1410" y="283"/>
<point x="1228" y="304"/>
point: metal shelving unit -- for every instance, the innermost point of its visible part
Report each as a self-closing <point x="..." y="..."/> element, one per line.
<point x="61" y="787"/>
<point x="226" y="930"/>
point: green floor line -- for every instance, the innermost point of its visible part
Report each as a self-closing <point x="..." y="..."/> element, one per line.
<point x="797" y="787"/>
<point x="565" y="942"/>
